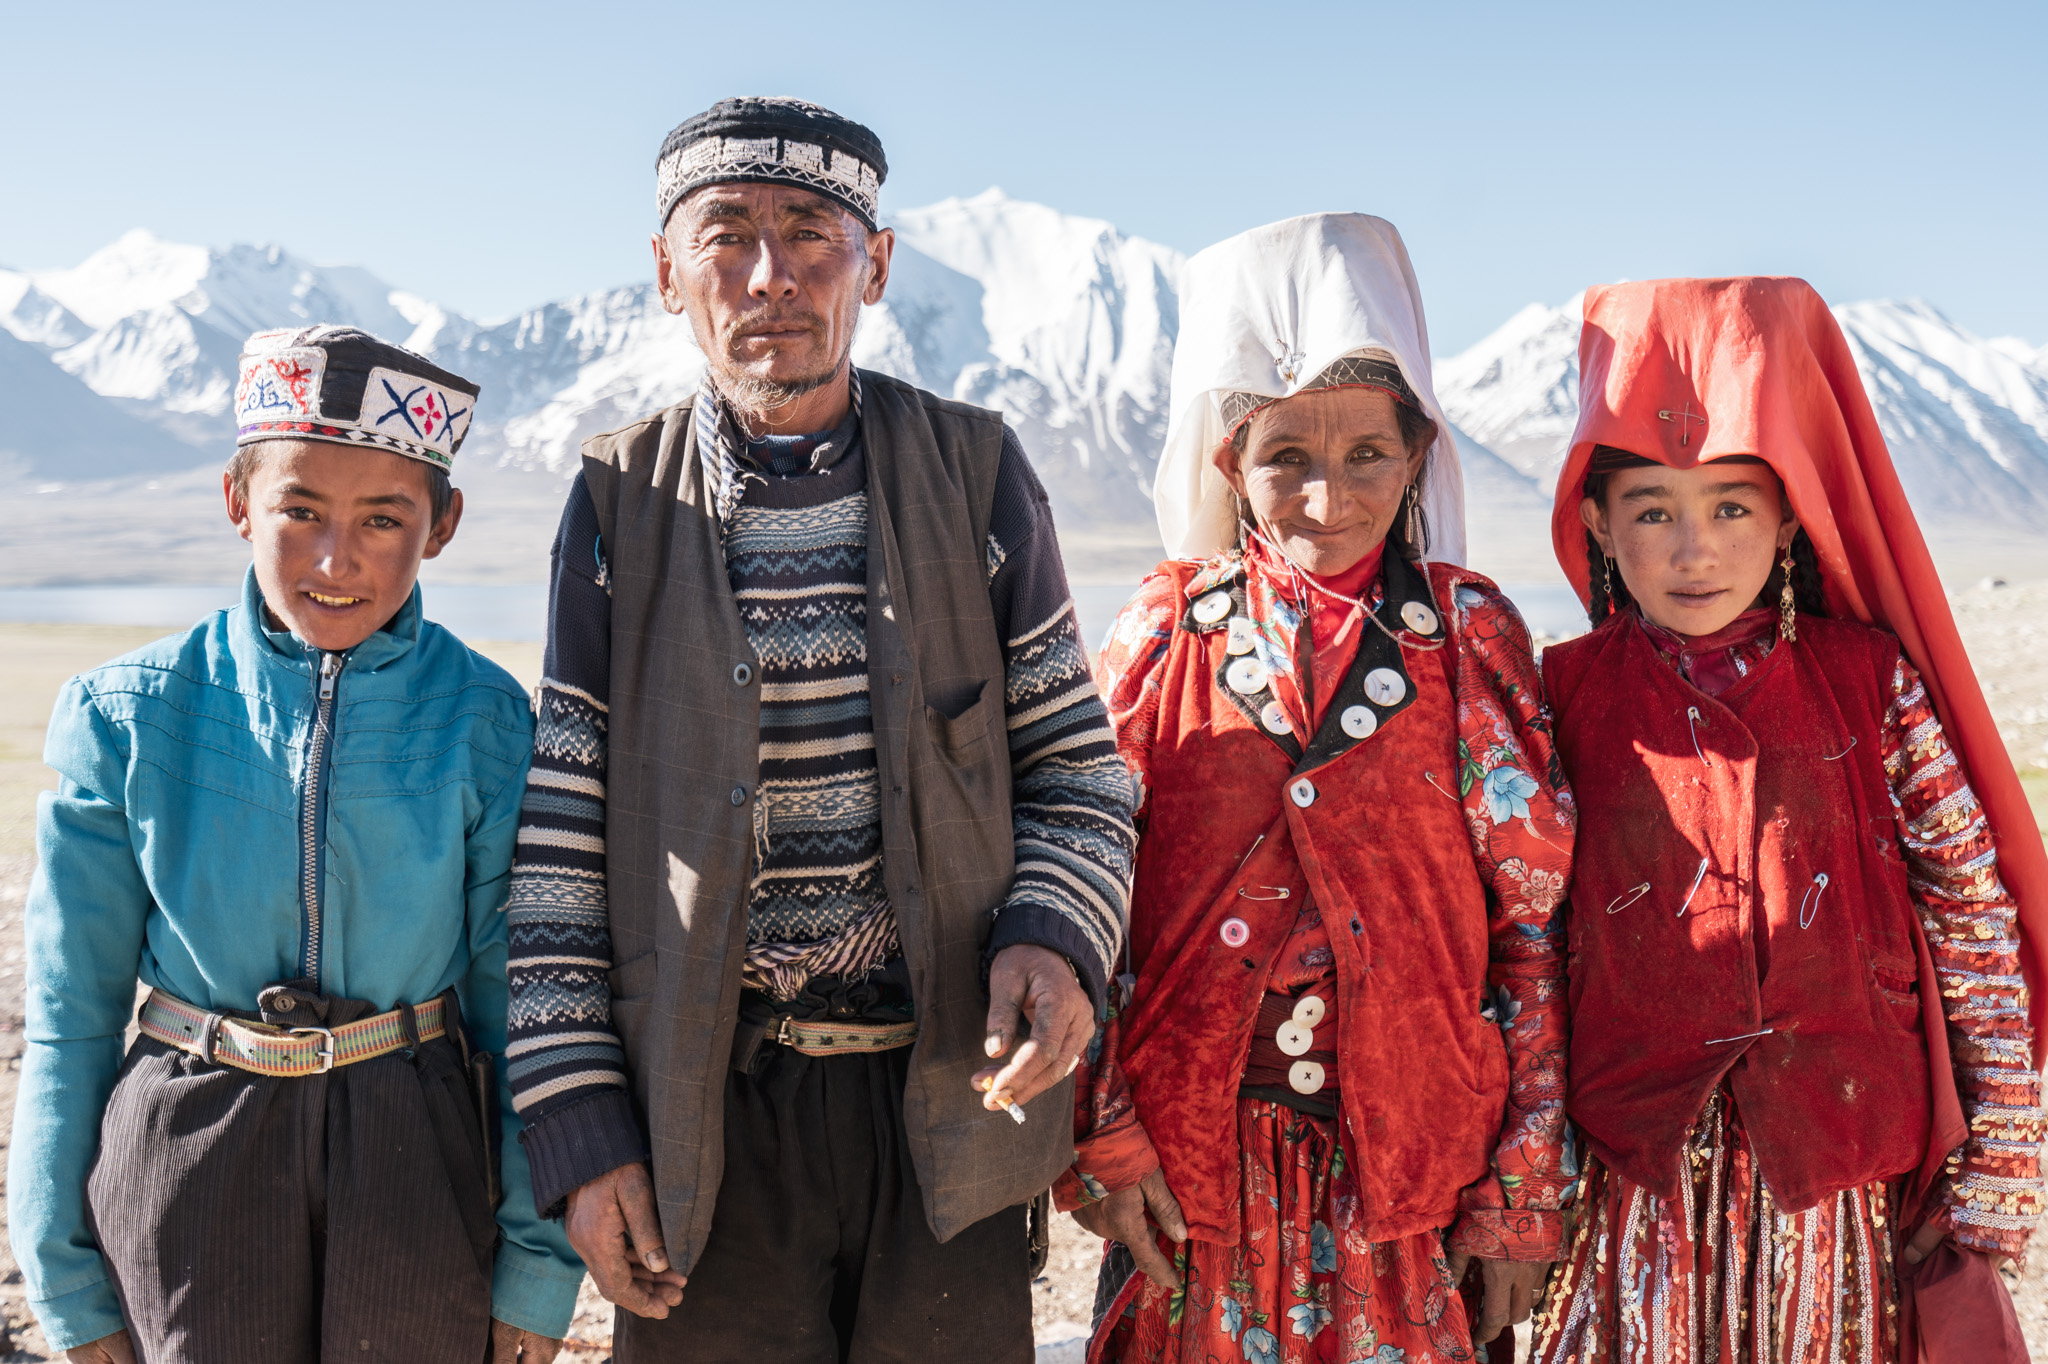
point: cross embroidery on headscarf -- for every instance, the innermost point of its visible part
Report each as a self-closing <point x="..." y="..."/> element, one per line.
<point x="718" y="446"/>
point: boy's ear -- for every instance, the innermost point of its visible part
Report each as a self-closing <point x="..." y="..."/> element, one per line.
<point x="238" y="504"/>
<point x="444" y="529"/>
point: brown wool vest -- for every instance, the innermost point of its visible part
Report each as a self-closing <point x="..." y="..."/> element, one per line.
<point x="1383" y="851"/>
<point x="1737" y="933"/>
<point x="683" y="749"/>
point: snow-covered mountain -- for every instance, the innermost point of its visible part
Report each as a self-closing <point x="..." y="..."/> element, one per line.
<point x="1966" y="418"/>
<point x="123" y="366"/>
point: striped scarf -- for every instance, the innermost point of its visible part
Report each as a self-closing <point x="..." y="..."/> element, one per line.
<point x="719" y="440"/>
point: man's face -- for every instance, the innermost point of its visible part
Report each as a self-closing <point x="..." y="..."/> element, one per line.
<point x="772" y="279"/>
<point x="339" y="533"/>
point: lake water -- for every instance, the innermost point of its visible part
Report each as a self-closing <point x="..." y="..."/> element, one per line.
<point x="518" y="611"/>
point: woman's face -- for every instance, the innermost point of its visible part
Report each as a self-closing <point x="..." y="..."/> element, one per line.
<point x="1694" y="546"/>
<point x="1323" y="474"/>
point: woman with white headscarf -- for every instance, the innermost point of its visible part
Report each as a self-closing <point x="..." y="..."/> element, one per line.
<point x="1343" y="1048"/>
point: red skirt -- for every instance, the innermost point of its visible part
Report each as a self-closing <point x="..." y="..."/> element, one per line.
<point x="1302" y="1284"/>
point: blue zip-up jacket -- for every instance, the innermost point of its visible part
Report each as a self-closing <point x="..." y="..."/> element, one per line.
<point x="174" y="851"/>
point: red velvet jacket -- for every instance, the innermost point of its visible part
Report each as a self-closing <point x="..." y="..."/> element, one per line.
<point x="1740" y="909"/>
<point x="1241" y="824"/>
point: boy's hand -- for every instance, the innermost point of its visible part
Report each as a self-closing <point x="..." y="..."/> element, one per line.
<point x="113" y="1349"/>
<point x="511" y="1345"/>
<point x="613" y="1226"/>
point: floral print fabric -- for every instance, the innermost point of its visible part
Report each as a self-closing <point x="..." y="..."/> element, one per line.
<point x="1302" y="1287"/>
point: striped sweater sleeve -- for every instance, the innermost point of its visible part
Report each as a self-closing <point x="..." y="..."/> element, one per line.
<point x="1071" y="795"/>
<point x="566" y="1065"/>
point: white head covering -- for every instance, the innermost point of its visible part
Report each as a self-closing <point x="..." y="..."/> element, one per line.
<point x="1266" y="312"/>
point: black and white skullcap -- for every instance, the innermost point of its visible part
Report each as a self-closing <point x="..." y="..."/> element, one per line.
<point x="760" y="140"/>
<point x="344" y="385"/>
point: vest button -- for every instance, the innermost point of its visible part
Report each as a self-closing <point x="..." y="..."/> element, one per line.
<point x="1309" y="1010"/>
<point x="1245" y="676"/>
<point x="1293" y="1039"/>
<point x="1305" y="1077"/>
<point x="1418" y="618"/>
<point x="742" y="673"/>
<point x="1384" y="687"/>
<point x="1273" y="716"/>
<point x="739" y="795"/>
<point x="1243" y="637"/>
<point x="1358" y="722"/>
<point x="1211" y="607"/>
<point x="1235" y="932"/>
<point x="1302" y="793"/>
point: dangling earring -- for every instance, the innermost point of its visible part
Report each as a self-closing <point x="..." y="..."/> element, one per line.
<point x="1413" y="532"/>
<point x="1607" y="578"/>
<point x="1788" y="607"/>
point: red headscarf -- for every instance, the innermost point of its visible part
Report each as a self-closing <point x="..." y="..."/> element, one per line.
<point x="1681" y="371"/>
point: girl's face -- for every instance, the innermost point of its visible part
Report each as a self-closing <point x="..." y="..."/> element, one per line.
<point x="1324" y="473"/>
<point x="1694" y="546"/>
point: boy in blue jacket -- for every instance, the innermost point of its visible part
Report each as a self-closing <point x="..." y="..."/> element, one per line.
<point x="294" y="824"/>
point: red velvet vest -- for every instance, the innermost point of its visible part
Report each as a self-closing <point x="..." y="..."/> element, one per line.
<point x="1247" y="826"/>
<point x="1739" y="910"/>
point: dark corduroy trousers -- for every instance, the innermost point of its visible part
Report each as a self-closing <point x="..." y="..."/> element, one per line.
<point x="334" y="1217"/>
<point x="819" y="1249"/>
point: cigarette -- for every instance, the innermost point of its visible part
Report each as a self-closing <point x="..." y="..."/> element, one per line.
<point x="1014" y="1111"/>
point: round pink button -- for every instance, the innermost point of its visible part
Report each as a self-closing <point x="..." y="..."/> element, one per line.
<point x="1236" y="933"/>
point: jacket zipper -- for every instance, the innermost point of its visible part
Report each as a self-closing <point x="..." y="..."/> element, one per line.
<point x="313" y="814"/>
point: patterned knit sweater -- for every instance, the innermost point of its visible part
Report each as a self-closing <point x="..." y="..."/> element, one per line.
<point x="796" y="558"/>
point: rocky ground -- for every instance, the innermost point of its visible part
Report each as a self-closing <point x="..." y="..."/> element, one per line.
<point x="2005" y="628"/>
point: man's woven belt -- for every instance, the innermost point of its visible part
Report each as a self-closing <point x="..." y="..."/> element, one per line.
<point x="817" y="1037"/>
<point x="283" y="1052"/>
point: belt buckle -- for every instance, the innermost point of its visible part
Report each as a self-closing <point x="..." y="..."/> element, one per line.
<point x="782" y="1033"/>
<point x="326" y="1052"/>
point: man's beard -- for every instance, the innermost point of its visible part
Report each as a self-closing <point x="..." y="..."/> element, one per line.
<point x="753" y="393"/>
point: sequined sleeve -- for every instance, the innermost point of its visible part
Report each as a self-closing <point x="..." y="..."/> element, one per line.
<point x="1993" y="1181"/>
<point x="1521" y="818"/>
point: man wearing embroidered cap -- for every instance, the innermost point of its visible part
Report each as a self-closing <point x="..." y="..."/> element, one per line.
<point x="818" y="754"/>
<point x="294" y="823"/>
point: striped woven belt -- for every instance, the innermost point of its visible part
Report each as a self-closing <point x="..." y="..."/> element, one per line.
<point x="815" y="1037"/>
<point x="282" y="1052"/>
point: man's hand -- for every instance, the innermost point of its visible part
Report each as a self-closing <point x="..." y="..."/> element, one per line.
<point x="1033" y="984"/>
<point x="1511" y="1289"/>
<point x="1122" y="1217"/>
<point x="613" y="1226"/>
<point x="511" y="1345"/>
<point x="113" y="1349"/>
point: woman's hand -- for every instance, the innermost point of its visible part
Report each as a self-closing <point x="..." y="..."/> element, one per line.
<point x="113" y="1349"/>
<point x="1925" y="1240"/>
<point x="511" y="1345"/>
<point x="1511" y="1289"/>
<point x="1122" y="1217"/>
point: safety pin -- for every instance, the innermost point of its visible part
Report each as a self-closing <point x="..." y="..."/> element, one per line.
<point x="1717" y="1041"/>
<point x="1697" y="877"/>
<point x="1843" y="754"/>
<point x="1249" y="851"/>
<point x="1813" y="893"/>
<point x="1634" y="893"/>
<point x="1430" y="777"/>
<point x="1693" y="718"/>
<point x="1284" y="893"/>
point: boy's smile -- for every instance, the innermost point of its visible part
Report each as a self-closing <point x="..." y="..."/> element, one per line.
<point x="339" y="532"/>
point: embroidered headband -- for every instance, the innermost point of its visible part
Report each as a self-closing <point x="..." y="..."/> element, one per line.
<point x="344" y="385"/>
<point x="1350" y="371"/>
<point x="763" y="141"/>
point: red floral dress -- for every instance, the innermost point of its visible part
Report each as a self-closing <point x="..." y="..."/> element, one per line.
<point x="1303" y="1283"/>
<point x="1721" y="1273"/>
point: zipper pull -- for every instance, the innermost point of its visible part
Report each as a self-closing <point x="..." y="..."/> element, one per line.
<point x="330" y="668"/>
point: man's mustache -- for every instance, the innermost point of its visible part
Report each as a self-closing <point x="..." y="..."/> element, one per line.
<point x="758" y="323"/>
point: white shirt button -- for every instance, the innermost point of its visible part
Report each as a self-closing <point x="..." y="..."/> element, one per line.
<point x="1293" y="1039"/>
<point x="1359" y="722"/>
<point x="1302" y="793"/>
<point x="1305" y="1077"/>
<point x="1245" y="675"/>
<point x="1235" y="933"/>
<point x="1384" y="686"/>
<point x="1212" y="607"/>
<point x="1418" y="618"/>
<point x="1274" y="717"/>
<point x="1243" y="636"/>
<point x="1309" y="1010"/>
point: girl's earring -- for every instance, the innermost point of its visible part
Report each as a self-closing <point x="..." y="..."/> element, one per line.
<point x="1788" y="607"/>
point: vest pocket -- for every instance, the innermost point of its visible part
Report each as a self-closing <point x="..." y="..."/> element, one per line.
<point x="959" y="716"/>
<point x="1898" y="986"/>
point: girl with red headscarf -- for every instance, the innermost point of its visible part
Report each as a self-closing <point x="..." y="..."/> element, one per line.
<point x="1805" y="906"/>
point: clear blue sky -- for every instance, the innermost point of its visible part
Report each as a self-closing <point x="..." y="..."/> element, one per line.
<point x="494" y="156"/>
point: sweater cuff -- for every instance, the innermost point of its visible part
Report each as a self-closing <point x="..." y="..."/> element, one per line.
<point x="568" y="1147"/>
<point x="1507" y="1234"/>
<point x="78" y="1317"/>
<point x="532" y="1292"/>
<point x="1028" y="923"/>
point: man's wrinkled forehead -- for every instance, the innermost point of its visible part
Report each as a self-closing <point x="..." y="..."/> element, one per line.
<point x="751" y="203"/>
